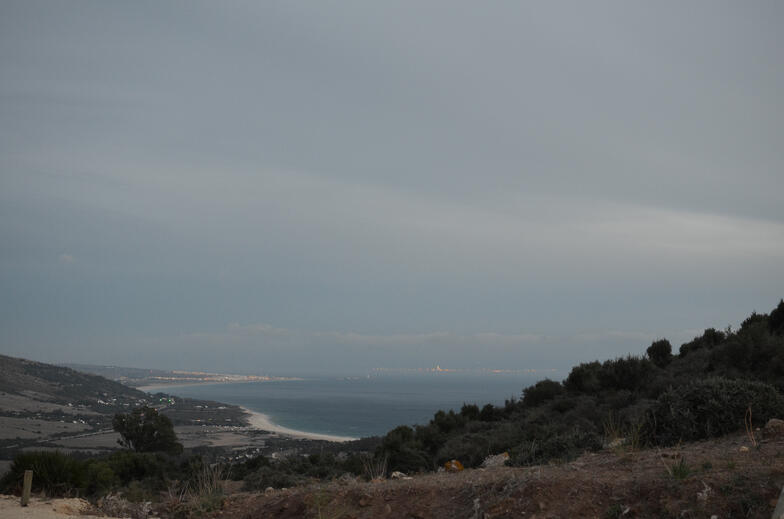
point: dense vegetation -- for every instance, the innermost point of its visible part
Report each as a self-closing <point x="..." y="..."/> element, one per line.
<point x="59" y="474"/>
<point x="659" y="398"/>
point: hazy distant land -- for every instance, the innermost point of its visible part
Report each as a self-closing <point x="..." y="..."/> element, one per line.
<point x="153" y="379"/>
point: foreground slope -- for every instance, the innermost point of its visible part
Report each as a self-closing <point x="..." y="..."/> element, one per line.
<point x="727" y="477"/>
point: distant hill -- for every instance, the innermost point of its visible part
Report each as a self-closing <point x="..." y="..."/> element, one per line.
<point x="133" y="377"/>
<point x="43" y="404"/>
<point x="58" y="384"/>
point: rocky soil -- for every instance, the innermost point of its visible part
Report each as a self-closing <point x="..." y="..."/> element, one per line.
<point x="725" y="478"/>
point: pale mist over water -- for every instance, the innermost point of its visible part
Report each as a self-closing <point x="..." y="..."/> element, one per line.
<point x="362" y="406"/>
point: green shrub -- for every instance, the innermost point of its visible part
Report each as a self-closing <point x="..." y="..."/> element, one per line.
<point x="542" y="448"/>
<point x="489" y="413"/>
<point x="709" y="408"/>
<point x="469" y="449"/>
<point x="54" y="473"/>
<point x="776" y="319"/>
<point x="100" y="477"/>
<point x="135" y="466"/>
<point x="240" y="471"/>
<point x="584" y="378"/>
<point x="709" y="339"/>
<point x="272" y="477"/>
<point x="679" y="470"/>
<point x="660" y="352"/>
<point x="470" y="412"/>
<point x="630" y="373"/>
<point x="541" y="392"/>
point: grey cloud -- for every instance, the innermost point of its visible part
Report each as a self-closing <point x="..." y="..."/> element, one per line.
<point x="388" y="169"/>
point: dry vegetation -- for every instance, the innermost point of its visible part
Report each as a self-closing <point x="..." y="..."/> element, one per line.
<point x="701" y="479"/>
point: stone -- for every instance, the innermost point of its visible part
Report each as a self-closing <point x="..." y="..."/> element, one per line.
<point x="498" y="460"/>
<point x="453" y="466"/>
<point x="773" y="429"/>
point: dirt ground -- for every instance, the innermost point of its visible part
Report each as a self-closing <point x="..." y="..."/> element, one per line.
<point x="44" y="508"/>
<point x="693" y="481"/>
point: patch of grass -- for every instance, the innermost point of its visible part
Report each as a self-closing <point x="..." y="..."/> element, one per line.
<point x="680" y="470"/>
<point x="613" y="512"/>
<point x="677" y="469"/>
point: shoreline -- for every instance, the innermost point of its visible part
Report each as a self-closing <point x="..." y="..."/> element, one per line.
<point x="257" y="420"/>
<point x="262" y="421"/>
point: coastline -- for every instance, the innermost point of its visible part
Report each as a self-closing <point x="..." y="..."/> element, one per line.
<point x="255" y="419"/>
<point x="261" y="421"/>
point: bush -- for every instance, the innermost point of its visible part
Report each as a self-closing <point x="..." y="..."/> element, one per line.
<point x="469" y="449"/>
<point x="54" y="473"/>
<point x="709" y="339"/>
<point x="541" y="392"/>
<point x="150" y="468"/>
<point x="489" y="413"/>
<point x="776" y="319"/>
<point x="100" y="478"/>
<point x="710" y="408"/>
<point x="630" y="373"/>
<point x="660" y="352"/>
<point x="469" y="412"/>
<point x="271" y="477"/>
<point x="584" y="378"/>
<point x="555" y="446"/>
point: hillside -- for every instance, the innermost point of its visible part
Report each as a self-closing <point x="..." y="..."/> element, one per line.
<point x="48" y="406"/>
<point x="55" y="401"/>
<point x="61" y="385"/>
<point x="725" y="478"/>
<point x="707" y="388"/>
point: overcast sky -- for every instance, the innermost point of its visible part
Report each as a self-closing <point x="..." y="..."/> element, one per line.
<point x="283" y="186"/>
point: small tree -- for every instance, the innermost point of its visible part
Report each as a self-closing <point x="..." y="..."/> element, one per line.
<point x="146" y="430"/>
<point x="541" y="392"/>
<point x="776" y="319"/>
<point x="660" y="352"/>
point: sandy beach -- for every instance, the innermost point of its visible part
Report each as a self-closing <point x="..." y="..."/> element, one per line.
<point x="257" y="420"/>
<point x="262" y="421"/>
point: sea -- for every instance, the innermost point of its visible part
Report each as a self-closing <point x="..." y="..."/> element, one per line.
<point x="362" y="406"/>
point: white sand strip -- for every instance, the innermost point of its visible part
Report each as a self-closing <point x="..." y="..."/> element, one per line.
<point x="263" y="422"/>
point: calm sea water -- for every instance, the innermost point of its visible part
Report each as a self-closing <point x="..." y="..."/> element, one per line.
<point x="361" y="407"/>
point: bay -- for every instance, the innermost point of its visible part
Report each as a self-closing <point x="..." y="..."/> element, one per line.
<point x="361" y="407"/>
